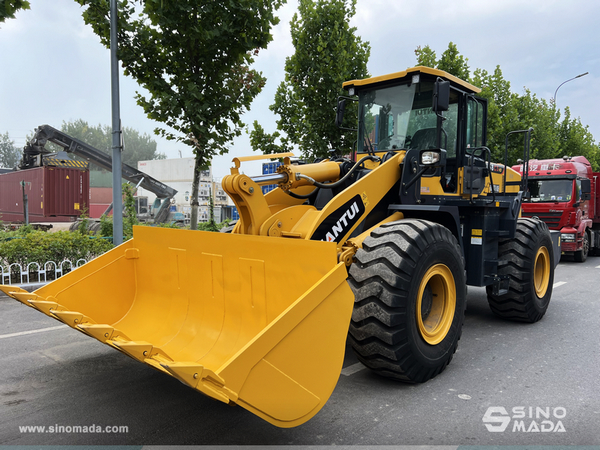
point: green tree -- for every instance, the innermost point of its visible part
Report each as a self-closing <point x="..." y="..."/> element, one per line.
<point x="509" y="111"/>
<point x="8" y="8"/>
<point x="454" y="63"/>
<point x="501" y="109"/>
<point x="537" y="113"/>
<point x="130" y="215"/>
<point x="9" y="154"/>
<point x="451" y="60"/>
<point x="193" y="58"/>
<point x="327" y="53"/>
<point x="576" y="139"/>
<point x="426" y="56"/>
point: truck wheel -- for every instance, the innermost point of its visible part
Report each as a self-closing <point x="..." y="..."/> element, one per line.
<point x="595" y="249"/>
<point x="581" y="255"/>
<point x="410" y="297"/>
<point x="529" y="264"/>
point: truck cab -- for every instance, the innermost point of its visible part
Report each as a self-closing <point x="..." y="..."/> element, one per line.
<point x="564" y="194"/>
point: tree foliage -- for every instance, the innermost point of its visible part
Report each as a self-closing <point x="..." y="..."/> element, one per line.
<point x="327" y="53"/>
<point x="553" y="136"/>
<point x="8" y="8"/>
<point x="193" y="58"/>
<point x="130" y="215"/>
<point x="9" y="154"/>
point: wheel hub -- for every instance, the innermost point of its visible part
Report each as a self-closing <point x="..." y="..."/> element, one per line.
<point x="541" y="272"/>
<point x="426" y="303"/>
<point x="436" y="302"/>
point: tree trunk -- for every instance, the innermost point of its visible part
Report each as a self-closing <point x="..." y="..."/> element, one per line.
<point x="195" y="186"/>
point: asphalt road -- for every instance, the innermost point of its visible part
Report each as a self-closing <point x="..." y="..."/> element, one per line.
<point x="542" y="376"/>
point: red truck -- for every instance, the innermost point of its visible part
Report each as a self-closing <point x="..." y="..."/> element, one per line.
<point x="565" y="193"/>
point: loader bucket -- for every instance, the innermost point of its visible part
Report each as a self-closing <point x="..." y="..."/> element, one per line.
<point x="256" y="321"/>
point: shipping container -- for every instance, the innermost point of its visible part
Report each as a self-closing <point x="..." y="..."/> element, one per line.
<point x="54" y="194"/>
<point x="97" y="209"/>
<point x="101" y="195"/>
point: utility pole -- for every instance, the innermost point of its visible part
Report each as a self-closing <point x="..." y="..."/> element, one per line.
<point x="116" y="130"/>
<point x="25" y="203"/>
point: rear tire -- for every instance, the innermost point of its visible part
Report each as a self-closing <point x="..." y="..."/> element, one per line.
<point x="410" y="297"/>
<point x="581" y="255"/>
<point x="530" y="268"/>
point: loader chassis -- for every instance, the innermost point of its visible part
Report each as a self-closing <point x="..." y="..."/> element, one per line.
<point x="377" y="248"/>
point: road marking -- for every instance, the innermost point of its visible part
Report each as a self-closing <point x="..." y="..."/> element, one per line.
<point x="350" y="370"/>
<point x="597" y="267"/>
<point x="558" y="283"/>
<point x="41" y="330"/>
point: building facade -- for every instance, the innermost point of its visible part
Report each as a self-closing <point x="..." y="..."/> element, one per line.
<point x="178" y="173"/>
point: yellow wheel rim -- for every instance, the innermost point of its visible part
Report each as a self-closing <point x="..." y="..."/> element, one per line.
<point x="541" y="271"/>
<point x="436" y="303"/>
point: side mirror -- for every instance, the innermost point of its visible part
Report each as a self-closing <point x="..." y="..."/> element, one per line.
<point x="339" y="115"/>
<point x="441" y="96"/>
<point x="586" y="186"/>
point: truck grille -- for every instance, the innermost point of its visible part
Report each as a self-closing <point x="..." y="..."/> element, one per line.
<point x="552" y="219"/>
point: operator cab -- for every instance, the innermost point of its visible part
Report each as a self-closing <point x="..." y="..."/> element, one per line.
<point x="396" y="112"/>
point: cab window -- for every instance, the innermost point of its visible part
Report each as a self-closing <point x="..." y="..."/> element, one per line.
<point x="474" y="123"/>
<point x="401" y="117"/>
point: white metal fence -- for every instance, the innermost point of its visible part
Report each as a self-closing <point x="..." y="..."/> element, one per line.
<point x="34" y="273"/>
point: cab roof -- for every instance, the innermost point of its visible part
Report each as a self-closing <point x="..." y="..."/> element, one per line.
<point x="409" y="72"/>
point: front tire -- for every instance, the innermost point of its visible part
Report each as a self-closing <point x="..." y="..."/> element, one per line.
<point x="410" y="297"/>
<point x="581" y="255"/>
<point x="529" y="264"/>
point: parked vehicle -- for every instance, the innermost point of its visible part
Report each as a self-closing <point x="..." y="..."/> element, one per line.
<point x="565" y="194"/>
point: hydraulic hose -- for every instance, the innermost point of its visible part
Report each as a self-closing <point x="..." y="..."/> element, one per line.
<point x="302" y="197"/>
<point x="341" y="180"/>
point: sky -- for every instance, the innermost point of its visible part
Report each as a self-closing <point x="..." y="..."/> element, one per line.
<point x="54" y="69"/>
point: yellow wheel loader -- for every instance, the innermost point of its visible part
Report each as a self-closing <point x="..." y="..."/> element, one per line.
<point x="377" y="247"/>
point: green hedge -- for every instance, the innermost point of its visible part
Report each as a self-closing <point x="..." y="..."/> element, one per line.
<point x="26" y="246"/>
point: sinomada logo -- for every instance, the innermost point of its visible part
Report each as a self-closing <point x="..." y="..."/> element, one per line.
<point x="525" y="419"/>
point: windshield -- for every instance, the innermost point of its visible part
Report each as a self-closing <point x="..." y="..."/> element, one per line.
<point x="550" y="190"/>
<point x="401" y="117"/>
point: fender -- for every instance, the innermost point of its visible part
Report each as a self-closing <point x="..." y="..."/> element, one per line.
<point x="583" y="226"/>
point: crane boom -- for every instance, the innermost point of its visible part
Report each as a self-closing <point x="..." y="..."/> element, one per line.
<point x="35" y="149"/>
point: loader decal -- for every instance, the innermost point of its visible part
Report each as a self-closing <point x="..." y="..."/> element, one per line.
<point x="337" y="225"/>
